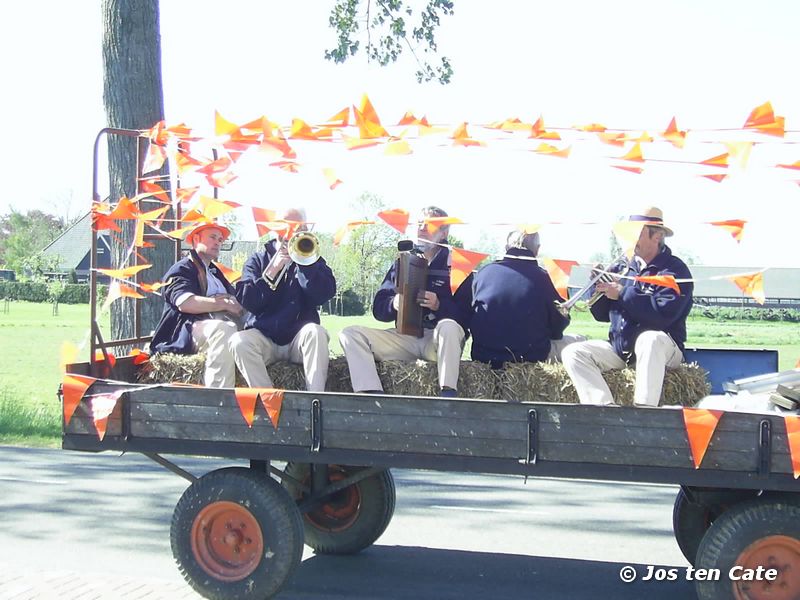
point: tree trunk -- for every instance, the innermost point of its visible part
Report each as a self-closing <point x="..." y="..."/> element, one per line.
<point x="133" y="99"/>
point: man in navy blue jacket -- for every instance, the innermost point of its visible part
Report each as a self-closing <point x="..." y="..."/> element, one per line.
<point x="200" y="308"/>
<point x="514" y="316"/>
<point x="443" y="335"/>
<point x="648" y="321"/>
<point x="284" y="322"/>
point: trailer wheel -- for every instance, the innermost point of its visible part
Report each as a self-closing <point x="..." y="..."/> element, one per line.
<point x="689" y="523"/>
<point x="349" y="520"/>
<point x="758" y="533"/>
<point x="236" y="533"/>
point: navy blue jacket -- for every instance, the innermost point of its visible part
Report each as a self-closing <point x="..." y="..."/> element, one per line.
<point x="647" y="307"/>
<point x="279" y="314"/>
<point x="513" y="312"/>
<point x="174" y="331"/>
<point x="438" y="282"/>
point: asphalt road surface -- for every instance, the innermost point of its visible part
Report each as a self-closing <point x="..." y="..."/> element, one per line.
<point x="76" y="525"/>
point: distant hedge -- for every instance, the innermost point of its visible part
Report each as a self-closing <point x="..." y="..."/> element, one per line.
<point x="747" y="313"/>
<point x="30" y="291"/>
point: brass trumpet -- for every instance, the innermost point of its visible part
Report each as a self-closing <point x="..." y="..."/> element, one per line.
<point x="302" y="249"/>
<point x="600" y="274"/>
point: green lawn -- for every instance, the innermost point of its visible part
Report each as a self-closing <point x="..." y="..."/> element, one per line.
<point x="32" y="338"/>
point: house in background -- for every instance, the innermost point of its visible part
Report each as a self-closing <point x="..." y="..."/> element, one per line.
<point x="73" y="248"/>
<point x="781" y="286"/>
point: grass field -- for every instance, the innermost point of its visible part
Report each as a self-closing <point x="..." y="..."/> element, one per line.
<point x="32" y="338"/>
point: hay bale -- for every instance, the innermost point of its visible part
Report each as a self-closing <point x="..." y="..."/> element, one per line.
<point x="545" y="382"/>
<point x="517" y="382"/>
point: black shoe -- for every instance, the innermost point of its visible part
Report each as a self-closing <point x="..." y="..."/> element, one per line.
<point x="371" y="392"/>
<point x="448" y="393"/>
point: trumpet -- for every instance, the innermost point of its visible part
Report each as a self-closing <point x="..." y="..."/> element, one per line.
<point x="302" y="249"/>
<point x="600" y="275"/>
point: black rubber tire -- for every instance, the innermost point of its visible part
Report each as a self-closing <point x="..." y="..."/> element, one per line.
<point x="733" y="532"/>
<point x="372" y="515"/>
<point x="276" y="514"/>
<point x="689" y="523"/>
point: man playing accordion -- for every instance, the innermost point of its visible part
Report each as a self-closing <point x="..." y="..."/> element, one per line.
<point x="442" y="331"/>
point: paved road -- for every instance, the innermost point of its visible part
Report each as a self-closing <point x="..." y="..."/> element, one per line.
<point x="76" y="525"/>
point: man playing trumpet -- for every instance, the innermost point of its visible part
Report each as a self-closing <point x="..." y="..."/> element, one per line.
<point x="282" y="288"/>
<point x="648" y="321"/>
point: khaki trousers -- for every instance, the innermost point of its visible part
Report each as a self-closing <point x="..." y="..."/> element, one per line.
<point x="253" y="351"/>
<point x="212" y="337"/>
<point x="655" y="353"/>
<point x="557" y="346"/>
<point x="363" y="346"/>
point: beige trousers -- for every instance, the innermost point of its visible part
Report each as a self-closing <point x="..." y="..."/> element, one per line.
<point x="363" y="346"/>
<point x="655" y="353"/>
<point x="212" y="337"/>
<point x="253" y="351"/>
<point x="557" y="346"/>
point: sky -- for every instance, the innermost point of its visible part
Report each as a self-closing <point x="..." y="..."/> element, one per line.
<point x="625" y="64"/>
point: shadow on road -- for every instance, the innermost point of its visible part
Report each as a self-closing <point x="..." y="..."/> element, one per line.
<point x="403" y="572"/>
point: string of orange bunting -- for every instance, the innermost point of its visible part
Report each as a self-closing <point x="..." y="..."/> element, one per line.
<point x="700" y="423"/>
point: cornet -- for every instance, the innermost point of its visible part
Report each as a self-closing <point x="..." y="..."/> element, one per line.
<point x="303" y="249"/>
<point x="600" y="275"/>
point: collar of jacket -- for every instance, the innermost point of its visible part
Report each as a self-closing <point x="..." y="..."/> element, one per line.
<point x="661" y="260"/>
<point x="521" y="252"/>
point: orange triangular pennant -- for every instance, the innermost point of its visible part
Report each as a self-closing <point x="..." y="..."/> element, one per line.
<point x="246" y="397"/>
<point x="342" y="231"/>
<point x="795" y="165"/>
<point x="73" y="389"/>
<point x="752" y="285"/>
<point x="559" y="271"/>
<point x="793" y="438"/>
<point x="397" y="218"/>
<point x="720" y="160"/>
<point x="760" y="116"/>
<point x="102" y="405"/>
<point x="634" y="154"/>
<point x="272" y="399"/>
<point x="553" y="151"/>
<point x="700" y="425"/>
<point x="124" y="273"/>
<point x="262" y="216"/>
<point x="734" y="226"/>
<point x="331" y="178"/>
<point x="673" y="135"/>
<point x="718" y="178"/>
<point x="462" y="262"/>
<point x="661" y="280"/>
<point x="230" y="274"/>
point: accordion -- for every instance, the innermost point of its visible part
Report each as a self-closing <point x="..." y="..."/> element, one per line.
<point x="412" y="278"/>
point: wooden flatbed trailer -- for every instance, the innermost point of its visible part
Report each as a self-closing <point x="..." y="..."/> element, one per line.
<point x="239" y="529"/>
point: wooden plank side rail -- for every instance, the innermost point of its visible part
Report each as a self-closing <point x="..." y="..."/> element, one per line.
<point x="443" y="427"/>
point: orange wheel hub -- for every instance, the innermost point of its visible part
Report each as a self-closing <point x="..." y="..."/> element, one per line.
<point x="340" y="510"/>
<point x="778" y="552"/>
<point x="227" y="541"/>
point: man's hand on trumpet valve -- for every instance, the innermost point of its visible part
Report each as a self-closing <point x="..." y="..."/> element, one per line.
<point x="611" y="289"/>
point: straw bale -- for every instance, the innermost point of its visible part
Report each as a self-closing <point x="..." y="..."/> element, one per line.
<point x="517" y="382"/>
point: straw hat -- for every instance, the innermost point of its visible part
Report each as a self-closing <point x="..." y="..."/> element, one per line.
<point x="653" y="217"/>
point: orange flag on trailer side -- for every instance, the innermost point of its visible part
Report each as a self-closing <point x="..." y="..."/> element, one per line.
<point x="793" y="439"/>
<point x="662" y="280"/>
<point x="559" y="271"/>
<point x="262" y="216"/>
<point x="734" y="226"/>
<point x="700" y="426"/>
<point x="272" y="399"/>
<point x="246" y="398"/>
<point x="231" y="275"/>
<point x="124" y="273"/>
<point x="673" y="135"/>
<point x="73" y="388"/>
<point x="462" y="262"/>
<point x="102" y="405"/>
<point x="752" y="285"/>
<point x="397" y="218"/>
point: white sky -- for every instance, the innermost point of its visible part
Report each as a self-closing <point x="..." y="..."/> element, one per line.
<point x="627" y="64"/>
